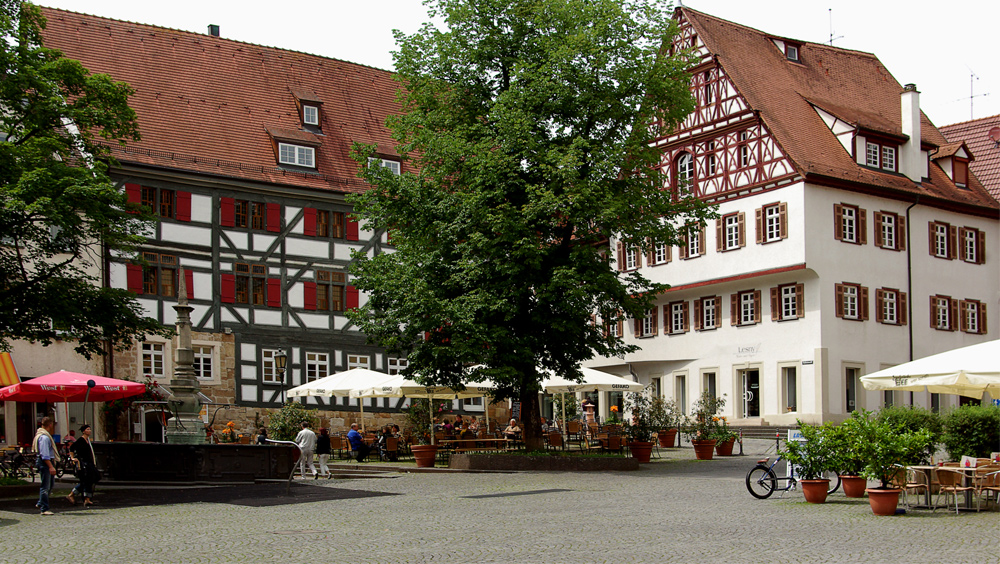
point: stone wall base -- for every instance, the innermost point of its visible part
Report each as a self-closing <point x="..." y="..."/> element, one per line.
<point x="513" y="462"/>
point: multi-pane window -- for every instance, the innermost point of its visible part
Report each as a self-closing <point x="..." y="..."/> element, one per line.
<point x="310" y="115"/>
<point x="249" y="214"/>
<point x="296" y="155"/>
<point x="631" y="258"/>
<point x="744" y="149"/>
<point x="707" y="313"/>
<point x="269" y="370"/>
<point x="710" y="162"/>
<point x="889" y="231"/>
<point x="973" y="314"/>
<point x="880" y="156"/>
<point x="786" y="302"/>
<point x="659" y="254"/>
<point x="973" y="243"/>
<point x="386" y="163"/>
<point x="251" y="280"/>
<point x="317" y="366"/>
<point x="330" y="290"/>
<point x="943" y="240"/>
<point x="203" y="361"/>
<point x="646" y="326"/>
<point x="159" y="275"/>
<point x="615" y="327"/>
<point x="153" y="359"/>
<point x="677" y="317"/>
<point x="849" y="224"/>
<point x="358" y="361"/>
<point x="258" y="215"/>
<point x="685" y="169"/>
<point x="944" y="311"/>
<point x="397" y="365"/>
<point x="888" y="158"/>
<point x="851" y="301"/>
<point x="745" y="308"/>
<point x="329" y="224"/>
<point x="161" y="201"/>
<point x="772" y="223"/>
<point x="871" y="154"/>
<point x="694" y="242"/>
<point x="890" y="306"/>
<point x="709" y="98"/>
<point x="730" y="232"/>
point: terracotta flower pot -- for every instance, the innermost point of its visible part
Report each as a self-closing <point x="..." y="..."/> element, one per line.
<point x="424" y="455"/>
<point x="883" y="502"/>
<point x="641" y="450"/>
<point x="854" y="486"/>
<point x="815" y="490"/>
<point x="703" y="450"/>
<point x="725" y="448"/>
<point x="667" y="437"/>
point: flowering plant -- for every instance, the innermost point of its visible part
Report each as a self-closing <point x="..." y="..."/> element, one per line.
<point x="722" y="431"/>
<point x="642" y="427"/>
<point x="704" y="422"/>
<point x="613" y="418"/>
<point x="228" y="433"/>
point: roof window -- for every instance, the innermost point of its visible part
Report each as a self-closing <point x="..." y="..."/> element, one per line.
<point x="792" y="52"/>
<point x="296" y="155"/>
<point x="310" y="115"/>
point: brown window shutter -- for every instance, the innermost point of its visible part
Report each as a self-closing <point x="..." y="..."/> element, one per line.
<point x="650" y="253"/>
<point x="637" y="327"/>
<point x="668" y="252"/>
<point x="682" y="251"/>
<point x="666" y="318"/>
<point x="620" y="327"/>
<point x="759" y="224"/>
<point x="902" y="310"/>
<point x="743" y="228"/>
<point x="800" y="302"/>
<point x="952" y="242"/>
<point x="879" y="302"/>
<point x="734" y="309"/>
<point x="982" y="318"/>
<point x="862" y="227"/>
<point x="953" y="306"/>
<point x="863" y="304"/>
<point x="878" y="230"/>
<point x="756" y="306"/>
<point x="902" y="234"/>
<point x="981" y="247"/>
<point x="621" y="257"/>
<point x="720" y="237"/>
<point x="783" y="219"/>
<point x="718" y="311"/>
<point x="934" y="306"/>
<point x="963" y="311"/>
<point x="701" y="241"/>
<point x="838" y="224"/>
<point x="930" y="237"/>
<point x="698" y="316"/>
<point x="655" y="319"/>
<point x="839" y="297"/>
<point x="775" y="303"/>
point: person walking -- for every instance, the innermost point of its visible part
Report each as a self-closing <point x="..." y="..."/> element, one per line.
<point x="306" y="439"/>
<point x="45" y="462"/>
<point x="82" y="452"/>
<point x="323" y="450"/>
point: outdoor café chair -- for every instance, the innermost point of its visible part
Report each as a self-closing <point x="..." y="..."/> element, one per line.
<point x="906" y="480"/>
<point x="556" y="441"/>
<point x="951" y="484"/>
<point x="989" y="484"/>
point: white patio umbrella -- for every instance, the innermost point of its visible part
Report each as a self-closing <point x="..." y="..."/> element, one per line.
<point x="969" y="371"/>
<point x="593" y="381"/>
<point x="341" y="384"/>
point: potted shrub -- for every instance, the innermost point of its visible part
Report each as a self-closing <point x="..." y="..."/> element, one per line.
<point x="886" y="449"/>
<point x="848" y="458"/>
<point x="725" y="438"/>
<point x="811" y="458"/>
<point x="640" y="426"/>
<point x="701" y="428"/>
<point x="417" y="425"/>
<point x="666" y="419"/>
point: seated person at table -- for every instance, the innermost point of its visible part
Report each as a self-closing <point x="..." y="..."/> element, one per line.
<point x="395" y="432"/>
<point x="474" y="425"/>
<point x="467" y="433"/>
<point x="512" y="431"/>
<point x="447" y="427"/>
<point x="459" y="422"/>
<point x="358" y="445"/>
<point x="545" y="425"/>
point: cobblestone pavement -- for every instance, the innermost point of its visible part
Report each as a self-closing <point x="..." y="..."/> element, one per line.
<point x="673" y="510"/>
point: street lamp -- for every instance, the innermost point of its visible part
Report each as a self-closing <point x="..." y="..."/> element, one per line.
<point x="279" y="364"/>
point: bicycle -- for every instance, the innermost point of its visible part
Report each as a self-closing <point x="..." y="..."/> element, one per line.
<point x="762" y="481"/>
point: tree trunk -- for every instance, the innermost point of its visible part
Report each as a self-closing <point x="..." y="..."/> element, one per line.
<point x="531" y="423"/>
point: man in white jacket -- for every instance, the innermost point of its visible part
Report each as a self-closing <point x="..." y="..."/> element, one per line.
<point x="306" y="439"/>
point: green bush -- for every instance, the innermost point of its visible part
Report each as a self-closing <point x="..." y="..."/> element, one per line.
<point x="915" y="418"/>
<point x="287" y="422"/>
<point x="972" y="430"/>
<point x="814" y="455"/>
<point x="8" y="481"/>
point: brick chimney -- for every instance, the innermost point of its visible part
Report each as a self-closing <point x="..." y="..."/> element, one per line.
<point x="912" y="163"/>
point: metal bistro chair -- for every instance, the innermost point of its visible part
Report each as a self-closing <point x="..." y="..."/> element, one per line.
<point x="905" y="480"/>
<point x="556" y="441"/>
<point x="989" y="484"/>
<point x="951" y="484"/>
<point x="391" y="453"/>
<point x="574" y="433"/>
<point x="337" y="445"/>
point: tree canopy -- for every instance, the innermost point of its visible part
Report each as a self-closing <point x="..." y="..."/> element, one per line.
<point x="60" y="213"/>
<point x="527" y="125"/>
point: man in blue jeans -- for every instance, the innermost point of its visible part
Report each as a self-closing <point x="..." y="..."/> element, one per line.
<point x="357" y="443"/>
<point x="46" y="462"/>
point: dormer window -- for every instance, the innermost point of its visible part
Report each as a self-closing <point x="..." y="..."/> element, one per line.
<point x="880" y="155"/>
<point x="792" y="52"/>
<point x="387" y="163"/>
<point x="310" y="115"/>
<point x="961" y="168"/>
<point x="296" y="155"/>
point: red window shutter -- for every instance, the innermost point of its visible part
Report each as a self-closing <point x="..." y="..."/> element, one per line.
<point x="953" y="314"/>
<point x="878" y="229"/>
<point x="742" y="221"/>
<point x="783" y="220"/>
<point x="839" y="297"/>
<point x="134" y="193"/>
<point x="309" y="221"/>
<point x="351" y="231"/>
<point x="756" y="306"/>
<point x="183" y="206"/>
<point x="720" y="236"/>
<point x="838" y="225"/>
<point x="775" y="304"/>
<point x="734" y="309"/>
<point x="698" y="316"/>
<point x="879" y="304"/>
<point x="863" y="304"/>
<point x="310" y="294"/>
<point x="952" y="241"/>
<point x="759" y="225"/>
<point x="227" y="214"/>
<point x="227" y="288"/>
<point x="901" y="233"/>
<point x="981" y="248"/>
<point x="133" y="278"/>
<point x="189" y="283"/>
<point x="901" y="309"/>
<point x="274" y="217"/>
<point x="351" y="298"/>
<point x="273" y="292"/>
<point x="862" y="227"/>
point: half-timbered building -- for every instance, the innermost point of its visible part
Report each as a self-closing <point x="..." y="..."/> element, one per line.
<point x="851" y="235"/>
<point x="245" y="157"/>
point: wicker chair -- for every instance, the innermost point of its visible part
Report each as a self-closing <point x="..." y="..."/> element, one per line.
<point x="951" y="484"/>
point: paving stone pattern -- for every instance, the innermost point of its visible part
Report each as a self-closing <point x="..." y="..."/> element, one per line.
<point x="673" y="510"/>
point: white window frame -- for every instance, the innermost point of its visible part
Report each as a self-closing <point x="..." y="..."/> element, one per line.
<point x="268" y="369"/>
<point x="677" y="317"/>
<point x="970" y="242"/>
<point x="789" y="302"/>
<point x="358" y="361"/>
<point x="317" y="366"/>
<point x="660" y="253"/>
<point x="941" y="240"/>
<point x="397" y="365"/>
<point x="871" y="154"/>
<point x="157" y="354"/>
<point x="631" y="258"/>
<point x="942" y="313"/>
<point x="971" y="324"/>
<point x="206" y="361"/>
<point x="708" y="317"/>
<point x="390" y="164"/>
<point x="772" y="223"/>
<point x="849" y="224"/>
<point x="711" y="161"/>
<point x="731" y="231"/>
<point x="296" y="155"/>
<point x="888" y="231"/>
<point x="748" y="304"/>
<point x="694" y="243"/>
<point x="888" y="157"/>
<point x="646" y="326"/>
<point x="310" y="114"/>
<point x="685" y="169"/>
<point x="890" y="307"/>
<point x="851" y="298"/>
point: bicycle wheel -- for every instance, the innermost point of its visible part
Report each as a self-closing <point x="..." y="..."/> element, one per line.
<point x="834" y="480"/>
<point x="761" y="482"/>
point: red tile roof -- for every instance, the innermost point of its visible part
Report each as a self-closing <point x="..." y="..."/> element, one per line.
<point x="976" y="134"/>
<point x="206" y="104"/>
<point x="849" y="84"/>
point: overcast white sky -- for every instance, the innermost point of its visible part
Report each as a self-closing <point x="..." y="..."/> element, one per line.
<point x="935" y="45"/>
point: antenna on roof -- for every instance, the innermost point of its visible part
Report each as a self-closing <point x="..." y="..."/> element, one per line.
<point x="973" y="77"/>
<point x="832" y="38"/>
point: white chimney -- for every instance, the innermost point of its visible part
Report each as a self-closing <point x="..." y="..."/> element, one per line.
<point x="911" y="161"/>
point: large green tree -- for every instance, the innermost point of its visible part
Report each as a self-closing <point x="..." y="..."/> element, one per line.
<point x="529" y="125"/>
<point x="60" y="213"/>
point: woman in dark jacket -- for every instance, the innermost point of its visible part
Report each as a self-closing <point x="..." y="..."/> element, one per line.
<point x="323" y="450"/>
<point x="82" y="452"/>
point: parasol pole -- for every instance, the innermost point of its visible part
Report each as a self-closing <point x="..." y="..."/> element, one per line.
<point x="86" y="398"/>
<point x="361" y="404"/>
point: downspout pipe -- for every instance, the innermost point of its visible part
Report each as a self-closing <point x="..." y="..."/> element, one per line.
<point x="909" y="274"/>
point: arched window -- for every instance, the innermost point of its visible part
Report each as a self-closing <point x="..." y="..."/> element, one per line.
<point x="683" y="171"/>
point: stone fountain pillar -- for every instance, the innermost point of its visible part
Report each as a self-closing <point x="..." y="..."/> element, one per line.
<point x="186" y="427"/>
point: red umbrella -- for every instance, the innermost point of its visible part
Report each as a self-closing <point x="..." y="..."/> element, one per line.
<point x="66" y="386"/>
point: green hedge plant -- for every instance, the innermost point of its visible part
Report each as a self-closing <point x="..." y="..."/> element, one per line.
<point x="972" y="430"/>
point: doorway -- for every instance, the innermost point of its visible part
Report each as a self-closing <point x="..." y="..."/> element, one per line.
<point x="751" y="392"/>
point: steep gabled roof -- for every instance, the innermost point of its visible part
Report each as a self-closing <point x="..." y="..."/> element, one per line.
<point x="976" y="134"/>
<point x="212" y="105"/>
<point x="851" y="85"/>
